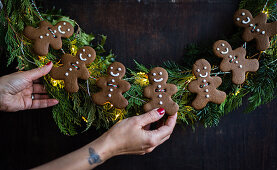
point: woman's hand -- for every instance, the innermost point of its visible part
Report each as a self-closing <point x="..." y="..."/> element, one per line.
<point x="132" y="135"/>
<point x="17" y="89"/>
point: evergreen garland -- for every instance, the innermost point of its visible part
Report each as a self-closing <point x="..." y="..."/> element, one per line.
<point x="76" y="112"/>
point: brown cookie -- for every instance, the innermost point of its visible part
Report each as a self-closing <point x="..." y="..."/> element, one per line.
<point x="205" y="86"/>
<point x="47" y="34"/>
<point x="235" y="61"/>
<point x="74" y="68"/>
<point x="255" y="28"/>
<point x="112" y="87"/>
<point x="160" y="92"/>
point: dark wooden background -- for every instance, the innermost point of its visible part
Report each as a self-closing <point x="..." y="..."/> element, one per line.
<point x="150" y="31"/>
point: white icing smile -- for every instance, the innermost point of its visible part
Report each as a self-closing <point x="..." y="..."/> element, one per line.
<point x="81" y="58"/>
<point x="159" y="80"/>
<point x="246" y="22"/>
<point x="115" y="75"/>
<point x="225" y="52"/>
<point x="59" y="29"/>
<point x="204" y="75"/>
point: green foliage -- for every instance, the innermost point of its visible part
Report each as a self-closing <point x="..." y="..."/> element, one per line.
<point x="76" y="112"/>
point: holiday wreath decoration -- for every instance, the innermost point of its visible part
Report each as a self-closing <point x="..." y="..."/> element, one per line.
<point x="253" y="72"/>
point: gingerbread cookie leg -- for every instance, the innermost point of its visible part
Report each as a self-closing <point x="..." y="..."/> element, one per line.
<point x="41" y="47"/>
<point x="71" y="85"/>
<point x="120" y="102"/>
<point x="199" y="102"/>
<point x="263" y="45"/>
<point x="238" y="76"/>
<point x="99" y="99"/>
<point x="148" y="107"/>
<point x="171" y="108"/>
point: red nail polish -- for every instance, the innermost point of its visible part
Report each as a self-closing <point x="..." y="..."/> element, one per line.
<point x="161" y="111"/>
<point x="49" y="63"/>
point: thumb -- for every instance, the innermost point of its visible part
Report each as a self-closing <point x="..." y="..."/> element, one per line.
<point x="151" y="116"/>
<point x="36" y="73"/>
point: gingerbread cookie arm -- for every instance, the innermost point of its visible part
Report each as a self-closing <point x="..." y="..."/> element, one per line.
<point x="252" y="65"/>
<point x="240" y="52"/>
<point x="148" y="91"/>
<point x="261" y="18"/>
<point x="225" y="66"/>
<point x="216" y="81"/>
<point x="272" y="28"/>
<point x="102" y="82"/>
<point x="218" y="97"/>
<point x="247" y="35"/>
<point x="125" y="86"/>
<point x="193" y="86"/>
<point x="29" y="32"/>
<point x="84" y="73"/>
<point x="171" y="89"/>
<point x="57" y="73"/>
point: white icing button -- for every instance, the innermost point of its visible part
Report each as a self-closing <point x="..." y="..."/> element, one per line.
<point x="41" y="37"/>
<point x="217" y="49"/>
<point x="205" y="68"/>
<point x="111" y="67"/>
<point x="230" y="56"/>
<point x="222" y="45"/>
<point x="64" y="23"/>
<point x="160" y="102"/>
<point x="119" y="69"/>
<point x="47" y="34"/>
<point x="66" y="74"/>
<point x="251" y="25"/>
<point x="70" y="69"/>
<point x="207" y="96"/>
<point x="77" y="62"/>
<point x="55" y="31"/>
<point x="109" y="95"/>
<point x="160" y="96"/>
<point x="111" y="89"/>
<point x="68" y="29"/>
<point x="243" y="14"/>
<point x="263" y="32"/>
<point x="240" y="66"/>
<point x="236" y="62"/>
<point x="198" y="70"/>
<point x="113" y="80"/>
<point x="160" y="73"/>
<point x="159" y="86"/>
<point x="238" y="19"/>
<point x="258" y="30"/>
<point x="84" y="50"/>
<point x="89" y="55"/>
<point x="154" y="74"/>
<point x="207" y="90"/>
<point x="204" y="81"/>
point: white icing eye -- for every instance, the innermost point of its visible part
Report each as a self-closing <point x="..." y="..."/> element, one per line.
<point x="217" y="49"/>
<point x="160" y="73"/>
<point x="238" y="19"/>
<point x="154" y="74"/>
<point x="111" y="67"/>
<point x="205" y="68"/>
<point x="198" y="70"/>
<point x="84" y="50"/>
<point x="119" y="69"/>
<point x="41" y="37"/>
<point x="68" y="29"/>
<point x="222" y="45"/>
<point x="89" y="55"/>
<point x="77" y="62"/>
<point x="64" y="23"/>
<point x="243" y="14"/>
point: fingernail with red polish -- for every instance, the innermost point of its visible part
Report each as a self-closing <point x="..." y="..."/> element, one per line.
<point x="49" y="63"/>
<point x="161" y="111"/>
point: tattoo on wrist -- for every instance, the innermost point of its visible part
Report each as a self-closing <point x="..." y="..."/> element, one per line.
<point x="93" y="157"/>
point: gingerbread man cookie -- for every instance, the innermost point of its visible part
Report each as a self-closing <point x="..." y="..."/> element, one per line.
<point x="74" y="68"/>
<point x="112" y="87"/>
<point x="205" y="86"/>
<point x="235" y="61"/>
<point x="255" y="28"/>
<point x="160" y="92"/>
<point x="47" y="34"/>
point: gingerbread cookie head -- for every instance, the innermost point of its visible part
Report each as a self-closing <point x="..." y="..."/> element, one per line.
<point x="64" y="29"/>
<point x="86" y="55"/>
<point x="201" y="68"/>
<point x="222" y="49"/>
<point x="158" y="75"/>
<point x="243" y="18"/>
<point x="117" y="70"/>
